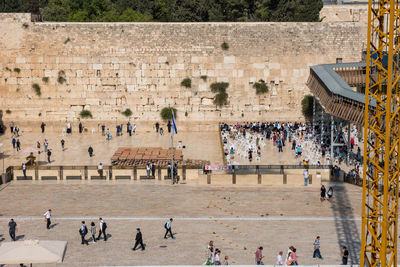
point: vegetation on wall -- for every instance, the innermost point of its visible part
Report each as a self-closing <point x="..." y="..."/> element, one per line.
<point x="17" y="70"/>
<point x="8" y="111"/>
<point x="221" y="97"/>
<point x="187" y="82"/>
<point x="36" y="88"/>
<point x="86" y="114"/>
<point x="61" y="77"/>
<point x="166" y="113"/>
<point x="45" y="79"/>
<point x="170" y="10"/>
<point x="224" y="46"/>
<point x="261" y="87"/>
<point x="307" y="106"/>
<point x="127" y="112"/>
<point x="204" y="77"/>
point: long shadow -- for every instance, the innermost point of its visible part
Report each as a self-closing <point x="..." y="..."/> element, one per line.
<point x="346" y="230"/>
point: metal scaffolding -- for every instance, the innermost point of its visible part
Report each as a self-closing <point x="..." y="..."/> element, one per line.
<point x="381" y="136"/>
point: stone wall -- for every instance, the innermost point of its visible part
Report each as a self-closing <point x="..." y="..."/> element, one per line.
<point x="113" y="66"/>
<point x="343" y="13"/>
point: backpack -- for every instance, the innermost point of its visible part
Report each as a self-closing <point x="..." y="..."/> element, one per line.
<point x="165" y="225"/>
<point x="104" y="225"/>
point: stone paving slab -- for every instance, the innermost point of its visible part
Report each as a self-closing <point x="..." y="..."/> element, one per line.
<point x="273" y="217"/>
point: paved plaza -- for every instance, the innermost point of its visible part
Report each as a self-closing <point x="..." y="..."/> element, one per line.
<point x="237" y="219"/>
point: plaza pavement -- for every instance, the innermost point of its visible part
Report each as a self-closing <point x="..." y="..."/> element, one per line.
<point x="237" y="219"/>
<point x="199" y="145"/>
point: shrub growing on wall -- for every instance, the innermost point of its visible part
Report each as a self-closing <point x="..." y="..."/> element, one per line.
<point x="224" y="46"/>
<point x="307" y="106"/>
<point x="8" y="111"/>
<point x="45" y="79"/>
<point x="261" y="87"/>
<point x="61" y="77"/>
<point x="187" y="82"/>
<point x="203" y="77"/>
<point x="166" y="113"/>
<point x="17" y="70"/>
<point x="36" y="88"/>
<point x="221" y="97"/>
<point x="127" y="112"/>
<point x="86" y="114"/>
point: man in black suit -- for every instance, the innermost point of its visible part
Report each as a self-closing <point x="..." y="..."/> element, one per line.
<point x="138" y="239"/>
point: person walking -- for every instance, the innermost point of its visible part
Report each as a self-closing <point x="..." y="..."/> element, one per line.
<point x="148" y="170"/>
<point x="108" y="134"/>
<point x="93" y="231"/>
<point x="12" y="229"/>
<point x="103" y="128"/>
<point x="90" y="150"/>
<point x="169" y="126"/>
<point x="323" y="193"/>
<point x="100" y="169"/>
<point x="305" y="173"/>
<point x="279" y="260"/>
<point x="18" y="145"/>
<point x="80" y="127"/>
<point x="62" y="144"/>
<point x="134" y="129"/>
<point x="138" y="239"/>
<point x="102" y="229"/>
<point x="317" y="252"/>
<point x="161" y="131"/>
<point x="153" y="169"/>
<point x="169" y="170"/>
<point x="47" y="217"/>
<point x="48" y="156"/>
<point x="24" y="170"/>
<point x="259" y="256"/>
<point x="42" y="126"/>
<point x="46" y="144"/>
<point x="157" y="127"/>
<point x="13" y="142"/>
<point x="168" y="229"/>
<point x="83" y="232"/>
<point x="330" y="194"/>
<point x="130" y="129"/>
<point x="11" y="127"/>
<point x="345" y="255"/>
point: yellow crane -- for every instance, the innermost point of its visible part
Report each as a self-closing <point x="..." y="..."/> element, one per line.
<point x="381" y="136"/>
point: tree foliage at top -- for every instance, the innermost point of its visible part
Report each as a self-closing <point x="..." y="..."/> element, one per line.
<point x="170" y="10"/>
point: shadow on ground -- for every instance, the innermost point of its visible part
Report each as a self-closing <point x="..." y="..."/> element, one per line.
<point x="346" y="230"/>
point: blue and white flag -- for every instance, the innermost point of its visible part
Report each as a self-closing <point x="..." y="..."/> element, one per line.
<point x="174" y="129"/>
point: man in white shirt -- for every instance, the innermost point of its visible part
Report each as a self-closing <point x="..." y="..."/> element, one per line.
<point x="47" y="217"/>
<point x="168" y="229"/>
<point x="305" y="173"/>
<point x="100" y="169"/>
<point x="102" y="229"/>
<point x="279" y="260"/>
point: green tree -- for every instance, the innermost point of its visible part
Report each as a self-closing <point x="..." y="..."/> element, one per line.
<point x="307" y="106"/>
<point x="130" y="15"/>
<point x="57" y="10"/>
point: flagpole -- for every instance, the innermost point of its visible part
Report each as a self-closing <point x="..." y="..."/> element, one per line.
<point x="172" y="148"/>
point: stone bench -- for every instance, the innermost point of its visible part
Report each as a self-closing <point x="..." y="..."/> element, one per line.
<point x="145" y="177"/>
<point x="49" y="177"/>
<point x="97" y="177"/>
<point x="73" y="177"/>
<point x="121" y="177"/>
<point x="170" y="177"/>
<point x="23" y="178"/>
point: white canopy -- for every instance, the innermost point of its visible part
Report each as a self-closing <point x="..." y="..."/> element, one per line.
<point x="32" y="251"/>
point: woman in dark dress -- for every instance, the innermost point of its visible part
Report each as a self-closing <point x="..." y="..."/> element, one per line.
<point x="323" y="192"/>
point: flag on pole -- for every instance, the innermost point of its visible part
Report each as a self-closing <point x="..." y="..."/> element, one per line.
<point x="174" y="129"/>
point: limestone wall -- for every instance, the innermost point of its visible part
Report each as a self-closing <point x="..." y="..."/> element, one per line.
<point x="113" y="66"/>
<point x="342" y="13"/>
